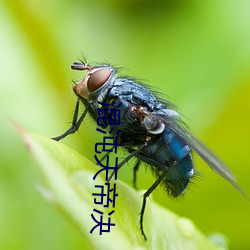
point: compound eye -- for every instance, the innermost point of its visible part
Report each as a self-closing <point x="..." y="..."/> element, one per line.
<point x="97" y="79"/>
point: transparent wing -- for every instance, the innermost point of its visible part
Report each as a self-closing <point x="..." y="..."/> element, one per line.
<point x="208" y="156"/>
<point x="175" y="124"/>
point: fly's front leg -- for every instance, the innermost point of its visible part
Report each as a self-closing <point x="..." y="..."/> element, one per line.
<point x="75" y="123"/>
<point x="145" y="196"/>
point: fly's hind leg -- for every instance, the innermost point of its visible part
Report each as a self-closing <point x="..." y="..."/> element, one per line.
<point x="145" y="196"/>
<point x="136" y="167"/>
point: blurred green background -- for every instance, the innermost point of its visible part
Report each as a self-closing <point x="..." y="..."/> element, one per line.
<point x="195" y="52"/>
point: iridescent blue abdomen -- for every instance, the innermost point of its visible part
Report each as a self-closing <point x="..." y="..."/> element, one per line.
<point x="171" y="153"/>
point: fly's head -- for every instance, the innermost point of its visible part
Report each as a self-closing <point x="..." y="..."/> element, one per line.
<point x="93" y="84"/>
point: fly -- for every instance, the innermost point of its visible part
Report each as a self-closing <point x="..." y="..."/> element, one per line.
<point x="150" y="130"/>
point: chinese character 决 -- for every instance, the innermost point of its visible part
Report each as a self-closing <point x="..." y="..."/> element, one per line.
<point x="101" y="223"/>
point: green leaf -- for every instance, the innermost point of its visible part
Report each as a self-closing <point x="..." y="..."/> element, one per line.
<point x="68" y="178"/>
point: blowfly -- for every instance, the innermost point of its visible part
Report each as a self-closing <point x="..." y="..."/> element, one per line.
<point x="151" y="130"/>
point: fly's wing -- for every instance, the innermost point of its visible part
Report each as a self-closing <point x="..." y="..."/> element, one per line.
<point x="175" y="124"/>
<point x="212" y="160"/>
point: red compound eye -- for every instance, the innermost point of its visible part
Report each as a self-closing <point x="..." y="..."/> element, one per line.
<point x="97" y="79"/>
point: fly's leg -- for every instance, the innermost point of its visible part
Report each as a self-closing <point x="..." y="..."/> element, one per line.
<point x="104" y="157"/>
<point x="75" y="123"/>
<point x="127" y="158"/>
<point x="136" y="167"/>
<point x="145" y="196"/>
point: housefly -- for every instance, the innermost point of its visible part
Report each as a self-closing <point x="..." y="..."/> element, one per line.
<point x="151" y="130"/>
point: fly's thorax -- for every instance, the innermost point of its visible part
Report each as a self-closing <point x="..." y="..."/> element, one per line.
<point x="94" y="85"/>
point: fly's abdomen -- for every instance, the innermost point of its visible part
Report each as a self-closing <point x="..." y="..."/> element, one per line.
<point x="180" y="166"/>
<point x="178" y="176"/>
<point x="171" y="155"/>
